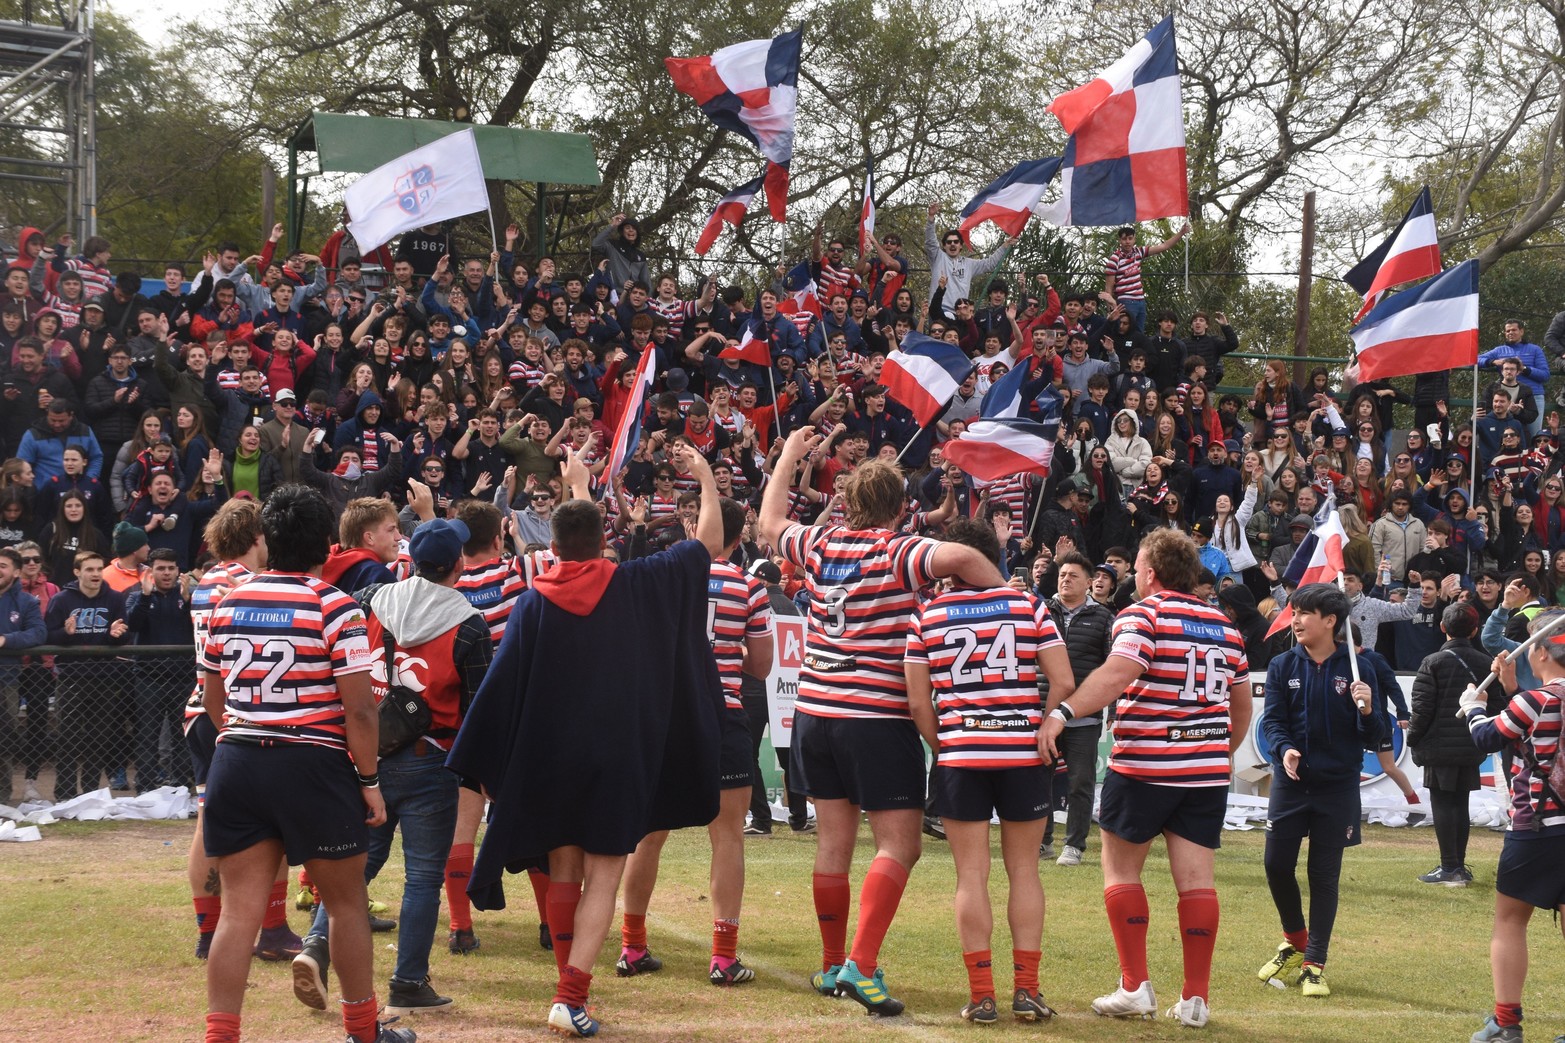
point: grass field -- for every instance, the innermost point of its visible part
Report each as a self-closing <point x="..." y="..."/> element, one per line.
<point x="98" y="933"/>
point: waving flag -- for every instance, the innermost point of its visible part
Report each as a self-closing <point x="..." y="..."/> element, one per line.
<point x="749" y="348"/>
<point x="867" y="211"/>
<point x="1125" y="160"/>
<point x="923" y="374"/>
<point x="437" y="182"/>
<point x="1411" y="252"/>
<point x="992" y="449"/>
<point x="799" y="291"/>
<point x="1007" y="396"/>
<point x="729" y="210"/>
<point x="1317" y="559"/>
<point x="627" y="433"/>
<point x="1431" y="327"/>
<point x="1010" y="199"/>
<point x="752" y="89"/>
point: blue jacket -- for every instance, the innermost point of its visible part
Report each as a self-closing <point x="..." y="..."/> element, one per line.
<point x="21" y="624"/>
<point x="1309" y="709"/>
<point x="45" y="450"/>
<point x="1535" y="364"/>
<point x="159" y="618"/>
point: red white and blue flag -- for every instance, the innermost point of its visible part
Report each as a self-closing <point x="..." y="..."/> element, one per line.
<point x="729" y="210"/>
<point x="627" y="434"/>
<point x="1411" y="252"/>
<point x="1125" y="160"/>
<point x="1010" y="199"/>
<point x="1317" y="559"/>
<point x="1431" y="327"/>
<point x="748" y="348"/>
<point x="867" y="211"/>
<point x="923" y="373"/>
<point x="993" y="449"/>
<point x="1006" y="396"/>
<point x="752" y="89"/>
<point x="800" y="292"/>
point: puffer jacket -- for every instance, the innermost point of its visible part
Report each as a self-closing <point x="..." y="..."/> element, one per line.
<point x="1128" y="456"/>
<point x="1088" y="638"/>
<point x="1435" y="734"/>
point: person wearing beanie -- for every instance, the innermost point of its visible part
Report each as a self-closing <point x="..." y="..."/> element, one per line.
<point x="129" y="543"/>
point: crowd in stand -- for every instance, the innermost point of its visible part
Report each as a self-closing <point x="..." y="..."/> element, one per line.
<point x="130" y="418"/>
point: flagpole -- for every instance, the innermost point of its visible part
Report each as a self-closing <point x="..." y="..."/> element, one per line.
<point x="934" y="419"/>
<point x="494" y="239"/>
<point x="1353" y="656"/>
<point x="776" y="409"/>
<point x="1472" y="472"/>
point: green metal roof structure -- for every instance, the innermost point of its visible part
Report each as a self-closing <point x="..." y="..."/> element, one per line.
<point x="357" y="144"/>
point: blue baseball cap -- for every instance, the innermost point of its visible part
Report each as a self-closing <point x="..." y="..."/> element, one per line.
<point x="438" y="544"/>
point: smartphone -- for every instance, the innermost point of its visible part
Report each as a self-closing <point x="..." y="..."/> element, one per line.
<point x="1020" y="572"/>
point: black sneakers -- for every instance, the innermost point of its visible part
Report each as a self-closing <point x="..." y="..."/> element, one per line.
<point x="409" y="997"/>
<point x="310" y="969"/>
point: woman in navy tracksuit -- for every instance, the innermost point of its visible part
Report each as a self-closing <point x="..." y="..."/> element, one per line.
<point x="1317" y="724"/>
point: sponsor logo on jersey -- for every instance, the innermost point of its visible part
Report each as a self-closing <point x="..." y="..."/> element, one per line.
<point x="278" y="618"/>
<point x="1198" y="733"/>
<point x="1201" y="631"/>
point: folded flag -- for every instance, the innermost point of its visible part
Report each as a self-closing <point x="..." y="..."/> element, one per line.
<point x="752" y="89"/>
<point x="1430" y="327"/>
<point x="992" y="449"/>
<point x="628" y="432"/>
<point x="923" y="373"/>
<point x="434" y="183"/>
<point x="1317" y="559"/>
<point x="1010" y="199"/>
<point x="729" y="210"/>
<point x="867" y="211"/>
<point x="749" y="348"/>
<point x="1125" y="159"/>
<point x="1409" y="253"/>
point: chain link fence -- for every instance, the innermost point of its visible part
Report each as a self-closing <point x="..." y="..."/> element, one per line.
<point x="79" y="719"/>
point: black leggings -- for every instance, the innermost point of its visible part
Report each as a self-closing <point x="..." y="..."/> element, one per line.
<point x="1324" y="871"/>
<point x="1452" y="825"/>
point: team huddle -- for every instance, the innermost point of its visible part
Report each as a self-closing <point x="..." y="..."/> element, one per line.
<point x="587" y="761"/>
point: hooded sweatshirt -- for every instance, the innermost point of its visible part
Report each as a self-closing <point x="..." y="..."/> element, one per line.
<point x="1310" y="708"/>
<point x="1128" y="456"/>
<point x="358" y="434"/>
<point x="442" y="648"/>
<point x="354" y="569"/>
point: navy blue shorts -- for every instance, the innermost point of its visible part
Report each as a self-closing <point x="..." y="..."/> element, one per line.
<point x="305" y="796"/>
<point x="735" y="757"/>
<point x="1326" y="814"/>
<point x="1532" y="870"/>
<point x="876" y="764"/>
<point x="201" y="738"/>
<point x="1137" y="811"/>
<point x="972" y="794"/>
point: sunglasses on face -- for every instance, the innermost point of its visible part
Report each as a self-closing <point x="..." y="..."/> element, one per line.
<point x="1404" y="459"/>
<point x="434" y="470"/>
<point x="953" y="242"/>
<point x="32" y="561"/>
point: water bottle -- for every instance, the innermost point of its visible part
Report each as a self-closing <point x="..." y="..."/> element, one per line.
<point x="1385" y="571"/>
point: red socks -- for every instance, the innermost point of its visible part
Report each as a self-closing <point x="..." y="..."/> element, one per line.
<point x="980" y="974"/>
<point x="208" y="909"/>
<point x="572" y="987"/>
<point x="633" y="932"/>
<point x="1026" y="963"/>
<point x="276" y="907"/>
<point x="832" y="898"/>
<point x="1127" y="909"/>
<point x="1504" y="1014"/>
<point x="878" y="901"/>
<point x="540" y="881"/>
<point x="562" y="921"/>
<point x="459" y="868"/>
<point x="222" y="1028"/>
<point x="358" y="1019"/>
<point x="725" y="939"/>
<point x="1198" y="916"/>
<point x="1300" y="940"/>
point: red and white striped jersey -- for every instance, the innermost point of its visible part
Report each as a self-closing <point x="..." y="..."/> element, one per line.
<point x="527" y="374"/>
<point x="675" y="311"/>
<point x="863" y="586"/>
<point x="1172" y="724"/>
<point x="835" y="279"/>
<point x="280" y="642"/>
<point x="207" y="595"/>
<point x="737" y="609"/>
<point x="493" y="587"/>
<point x="1532" y="719"/>
<point x="1012" y="491"/>
<point x="1125" y="267"/>
<point x="981" y="648"/>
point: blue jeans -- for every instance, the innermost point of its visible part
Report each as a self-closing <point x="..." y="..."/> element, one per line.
<point x="421" y="798"/>
<point x="1137" y="310"/>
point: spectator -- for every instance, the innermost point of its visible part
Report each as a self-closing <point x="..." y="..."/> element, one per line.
<point x="44" y="444"/>
<point x="21" y="626"/>
<point x="129" y="544"/>
<point x="158" y="612"/>
<point x="1441" y="743"/>
<point x="174" y="522"/>
<point x="367" y="542"/>
<point x="88" y="613"/>
<point x="1534" y="363"/>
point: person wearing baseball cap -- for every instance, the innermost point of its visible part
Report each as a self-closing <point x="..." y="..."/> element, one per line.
<point x="441" y="647"/>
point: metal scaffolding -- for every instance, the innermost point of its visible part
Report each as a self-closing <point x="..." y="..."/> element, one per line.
<point x="48" y="104"/>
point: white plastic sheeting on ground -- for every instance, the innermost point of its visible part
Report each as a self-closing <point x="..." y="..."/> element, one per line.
<point x="21" y="823"/>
